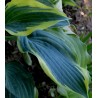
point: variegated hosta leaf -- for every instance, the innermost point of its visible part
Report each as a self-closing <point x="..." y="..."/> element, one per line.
<point x="68" y="93"/>
<point x="60" y="56"/>
<point x="46" y="2"/>
<point x="61" y="24"/>
<point x="18" y="81"/>
<point x="22" y="17"/>
<point x="69" y="2"/>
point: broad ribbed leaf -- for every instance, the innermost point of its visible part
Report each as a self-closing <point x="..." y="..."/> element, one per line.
<point x="76" y="47"/>
<point x="10" y="95"/>
<point x="18" y="81"/>
<point x="22" y="17"/>
<point x="60" y="56"/>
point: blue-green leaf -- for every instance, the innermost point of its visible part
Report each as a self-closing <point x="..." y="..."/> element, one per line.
<point x="18" y="81"/>
<point x="8" y="94"/>
<point x="61" y="24"/>
<point x="60" y="56"/>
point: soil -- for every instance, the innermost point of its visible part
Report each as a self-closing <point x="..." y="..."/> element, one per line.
<point x="81" y="19"/>
<point x="80" y="16"/>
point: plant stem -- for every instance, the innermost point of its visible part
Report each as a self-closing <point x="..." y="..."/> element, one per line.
<point x="7" y="38"/>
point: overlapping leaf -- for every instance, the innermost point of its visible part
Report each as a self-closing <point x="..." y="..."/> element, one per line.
<point x="22" y="17"/>
<point x="19" y="82"/>
<point x="61" y="24"/>
<point x="68" y="93"/>
<point x="46" y="2"/>
<point x="69" y="2"/>
<point x="60" y="55"/>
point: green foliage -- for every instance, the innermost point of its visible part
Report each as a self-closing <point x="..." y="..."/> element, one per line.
<point x="10" y="38"/>
<point x="30" y="16"/>
<point x="90" y="94"/>
<point x="42" y="30"/>
<point x="87" y="37"/>
<point x="68" y="93"/>
<point x="8" y="94"/>
<point x="27" y="58"/>
<point x="69" y="2"/>
<point x="57" y="56"/>
<point x="18" y="81"/>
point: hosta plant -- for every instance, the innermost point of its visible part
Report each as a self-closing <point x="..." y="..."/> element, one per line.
<point x="42" y="29"/>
